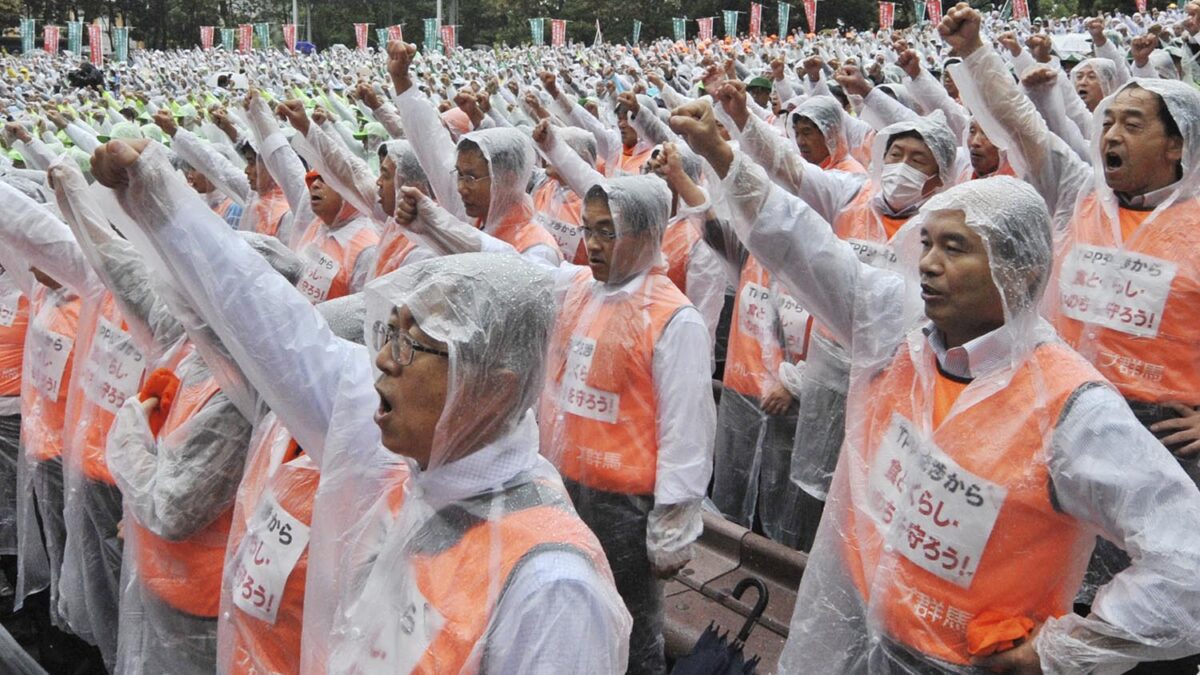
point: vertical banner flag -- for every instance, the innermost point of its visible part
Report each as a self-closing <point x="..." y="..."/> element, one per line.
<point x="96" y="45"/>
<point x="50" y="39"/>
<point x="245" y="37"/>
<point x="289" y="37"/>
<point x="1020" y="10"/>
<point x="785" y="15"/>
<point x="730" y="22"/>
<point x="1141" y="6"/>
<point x="431" y="36"/>
<point x="755" y="20"/>
<point x="705" y="28"/>
<point x="810" y="14"/>
<point x="381" y="37"/>
<point x="206" y="37"/>
<point x="598" y="38"/>
<point x="933" y="10"/>
<point x="887" y="15"/>
<point x="395" y="33"/>
<point x="919" y="10"/>
<point x="537" y="31"/>
<point x="558" y="32"/>
<point x="637" y="31"/>
<point x="27" y="28"/>
<point x="680" y="28"/>
<point x="263" y="32"/>
<point x="75" y="37"/>
<point x="121" y="43"/>
<point x="449" y="38"/>
<point x="360" y="36"/>
<point x="227" y="39"/>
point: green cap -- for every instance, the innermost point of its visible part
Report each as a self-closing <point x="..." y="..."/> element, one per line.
<point x="759" y="83"/>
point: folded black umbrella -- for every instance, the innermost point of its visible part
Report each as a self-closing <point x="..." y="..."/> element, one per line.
<point x="714" y="653"/>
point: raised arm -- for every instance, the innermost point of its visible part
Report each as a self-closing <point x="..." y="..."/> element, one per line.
<point x="43" y="241"/>
<point x="575" y="172"/>
<point x="117" y="263"/>
<point x="349" y="175"/>
<point x="790" y="239"/>
<point x="1010" y="120"/>
<point x="227" y="176"/>
<point x="423" y="127"/>
<point x="240" y="296"/>
<point x="826" y="191"/>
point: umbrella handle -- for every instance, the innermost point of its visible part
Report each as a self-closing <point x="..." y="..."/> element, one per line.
<point x="760" y="605"/>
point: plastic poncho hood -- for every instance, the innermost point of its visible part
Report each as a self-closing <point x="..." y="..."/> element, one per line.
<point x="1183" y="104"/>
<point x="494" y="312"/>
<point x="934" y="131"/>
<point x="510" y="157"/>
<point x="640" y="207"/>
<point x="826" y="114"/>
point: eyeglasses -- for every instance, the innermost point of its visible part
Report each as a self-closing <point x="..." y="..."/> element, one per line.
<point x="464" y="178"/>
<point x="593" y="232"/>
<point x="403" y="347"/>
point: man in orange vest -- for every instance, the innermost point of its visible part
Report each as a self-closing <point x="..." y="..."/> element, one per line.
<point x="982" y="455"/>
<point x="627" y="413"/>
<point x="482" y="178"/>
<point x="433" y="498"/>
<point x="623" y="150"/>
<point x="14" y="320"/>
<point x="1126" y="281"/>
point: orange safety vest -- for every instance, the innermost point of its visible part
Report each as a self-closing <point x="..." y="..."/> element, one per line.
<point x="48" y="361"/>
<point x="14" y="321"/>
<point x="276" y="465"/>
<point x="559" y="211"/>
<point x="328" y="264"/>
<point x="755" y="350"/>
<point x="847" y="163"/>
<point x="185" y="574"/>
<point x="518" y="229"/>
<point x="859" y="221"/>
<point x="1031" y="561"/>
<point x="393" y="249"/>
<point x="113" y="370"/>
<point x="464" y="582"/>
<point x="630" y="163"/>
<point x="268" y="211"/>
<point x="602" y="428"/>
<point x="677" y="243"/>
<point x="1146" y="335"/>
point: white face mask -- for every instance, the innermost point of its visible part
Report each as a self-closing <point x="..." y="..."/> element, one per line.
<point x="902" y="186"/>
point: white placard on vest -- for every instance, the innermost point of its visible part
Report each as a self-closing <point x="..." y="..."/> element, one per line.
<point x="320" y="269"/>
<point x="875" y="254"/>
<point x="274" y="542"/>
<point x="756" y="313"/>
<point x="576" y="396"/>
<point x="794" y="320"/>
<point x="930" y="510"/>
<point x="114" y="369"/>
<point x="1121" y="290"/>
<point x="566" y="235"/>
<point x="48" y="353"/>
<point x="10" y="305"/>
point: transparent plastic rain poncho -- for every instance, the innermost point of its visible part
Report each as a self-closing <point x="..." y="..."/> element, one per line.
<point x="372" y="503"/>
<point x="1105" y="70"/>
<point x="509" y="154"/>
<point x="636" y="474"/>
<point x="825" y="379"/>
<point x="937" y="536"/>
<point x="826" y="113"/>
<point x="14" y="321"/>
